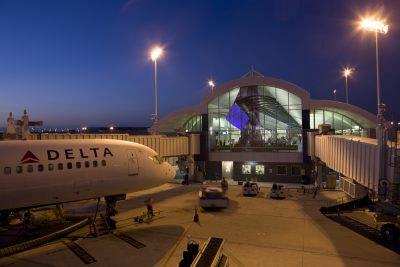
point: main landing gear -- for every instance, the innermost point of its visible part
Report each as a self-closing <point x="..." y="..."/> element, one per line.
<point x="111" y="202"/>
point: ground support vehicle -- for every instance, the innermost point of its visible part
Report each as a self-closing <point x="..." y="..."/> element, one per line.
<point x="250" y="189"/>
<point x="278" y="191"/>
<point x="212" y="198"/>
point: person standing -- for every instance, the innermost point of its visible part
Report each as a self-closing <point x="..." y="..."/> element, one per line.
<point x="149" y="204"/>
<point x="224" y="184"/>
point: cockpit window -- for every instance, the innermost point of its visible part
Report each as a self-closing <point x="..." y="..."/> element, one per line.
<point x="157" y="159"/>
<point x="160" y="159"/>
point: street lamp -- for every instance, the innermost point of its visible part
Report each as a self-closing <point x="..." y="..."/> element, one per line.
<point x="211" y="84"/>
<point x="155" y="54"/>
<point x="346" y="73"/>
<point x="111" y="129"/>
<point x="377" y="27"/>
<point x="334" y="94"/>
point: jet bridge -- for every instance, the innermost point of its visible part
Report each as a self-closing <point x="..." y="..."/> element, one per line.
<point x="356" y="159"/>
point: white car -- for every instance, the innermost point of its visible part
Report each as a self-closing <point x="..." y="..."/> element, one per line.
<point x="278" y="191"/>
<point x="212" y="198"/>
<point x="250" y="189"/>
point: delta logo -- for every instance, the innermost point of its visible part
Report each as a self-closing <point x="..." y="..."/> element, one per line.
<point x="29" y="157"/>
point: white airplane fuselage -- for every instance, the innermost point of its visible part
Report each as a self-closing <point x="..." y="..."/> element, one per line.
<point x="38" y="173"/>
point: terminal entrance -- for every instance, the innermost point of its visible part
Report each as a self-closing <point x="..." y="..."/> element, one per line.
<point x="227" y="169"/>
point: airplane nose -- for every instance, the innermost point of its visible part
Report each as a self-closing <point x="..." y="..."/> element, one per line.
<point x="170" y="172"/>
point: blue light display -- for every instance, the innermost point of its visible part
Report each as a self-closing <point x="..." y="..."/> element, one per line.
<point x="237" y="117"/>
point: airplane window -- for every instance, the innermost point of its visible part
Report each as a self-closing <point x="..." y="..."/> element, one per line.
<point x="78" y="165"/>
<point x="69" y="165"/>
<point x="18" y="169"/>
<point x="50" y="167"/>
<point x="87" y="164"/>
<point x="7" y="170"/>
<point x="40" y="167"/>
<point x="95" y="163"/>
<point x="60" y="166"/>
<point x="30" y="168"/>
<point x="103" y="163"/>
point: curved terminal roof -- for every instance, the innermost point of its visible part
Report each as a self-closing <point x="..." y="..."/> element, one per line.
<point x="254" y="78"/>
<point x="361" y="116"/>
<point x="175" y="121"/>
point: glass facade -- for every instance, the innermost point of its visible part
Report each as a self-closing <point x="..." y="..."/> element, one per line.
<point x="255" y="118"/>
<point x="342" y="124"/>
<point x="194" y="124"/>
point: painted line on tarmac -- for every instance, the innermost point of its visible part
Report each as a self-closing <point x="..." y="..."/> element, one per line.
<point x="82" y="254"/>
<point x="131" y="241"/>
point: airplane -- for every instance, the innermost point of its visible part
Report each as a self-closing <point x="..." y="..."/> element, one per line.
<point x="49" y="172"/>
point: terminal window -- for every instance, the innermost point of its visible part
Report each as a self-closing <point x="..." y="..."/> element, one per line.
<point x="260" y="169"/>
<point x="246" y="169"/>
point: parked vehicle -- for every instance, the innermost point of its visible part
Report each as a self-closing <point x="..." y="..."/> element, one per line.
<point x="278" y="191"/>
<point x="250" y="189"/>
<point x="389" y="226"/>
<point x="212" y="198"/>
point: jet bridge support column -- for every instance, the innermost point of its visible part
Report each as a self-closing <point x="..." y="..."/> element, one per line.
<point x="190" y="165"/>
<point x="321" y="173"/>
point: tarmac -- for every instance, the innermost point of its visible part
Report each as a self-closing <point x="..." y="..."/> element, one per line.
<point x="258" y="231"/>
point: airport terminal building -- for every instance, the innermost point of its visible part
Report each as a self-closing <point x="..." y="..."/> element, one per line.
<point x="255" y="127"/>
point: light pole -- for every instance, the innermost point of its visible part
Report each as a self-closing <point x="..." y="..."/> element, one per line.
<point x="379" y="27"/>
<point x="155" y="54"/>
<point x="334" y="94"/>
<point x="211" y="84"/>
<point x="346" y="73"/>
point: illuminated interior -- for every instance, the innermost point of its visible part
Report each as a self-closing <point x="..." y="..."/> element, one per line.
<point x="255" y="118"/>
<point x="341" y="123"/>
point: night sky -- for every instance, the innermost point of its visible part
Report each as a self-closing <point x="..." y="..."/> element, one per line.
<point x="86" y="62"/>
